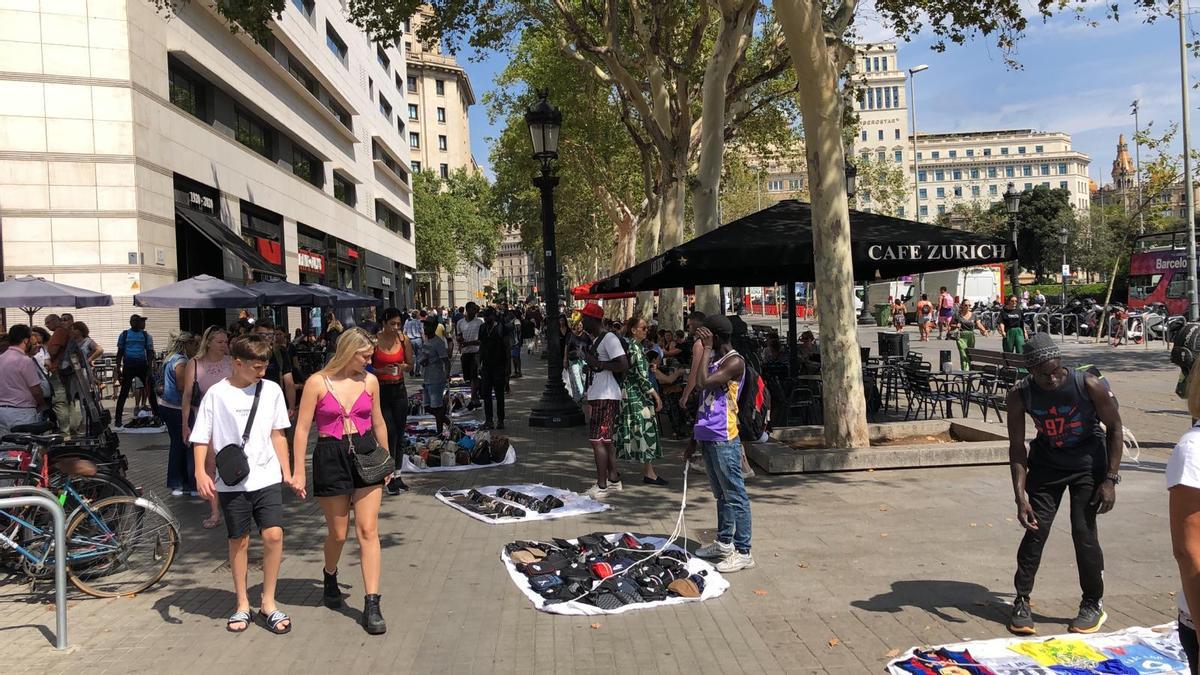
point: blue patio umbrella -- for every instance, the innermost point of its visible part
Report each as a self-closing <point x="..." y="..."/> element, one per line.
<point x="199" y="292"/>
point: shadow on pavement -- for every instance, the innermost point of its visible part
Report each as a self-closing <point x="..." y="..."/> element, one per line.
<point x="936" y="594"/>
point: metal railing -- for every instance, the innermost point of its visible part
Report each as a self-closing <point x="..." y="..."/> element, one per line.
<point x="31" y="496"/>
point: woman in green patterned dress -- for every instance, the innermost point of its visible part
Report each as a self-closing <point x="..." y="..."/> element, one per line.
<point x="636" y="437"/>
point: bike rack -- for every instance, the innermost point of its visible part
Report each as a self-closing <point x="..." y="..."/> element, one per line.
<point x="31" y="496"/>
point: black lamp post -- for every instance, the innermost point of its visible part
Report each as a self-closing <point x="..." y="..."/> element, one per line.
<point x="1063" y="237"/>
<point x="555" y="409"/>
<point x="1012" y="202"/>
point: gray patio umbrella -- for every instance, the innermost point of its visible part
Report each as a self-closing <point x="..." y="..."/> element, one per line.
<point x="33" y="293"/>
<point x="199" y="292"/>
<point x="281" y="293"/>
<point x="345" y="298"/>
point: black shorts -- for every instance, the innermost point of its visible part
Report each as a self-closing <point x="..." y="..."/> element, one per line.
<point x="333" y="469"/>
<point x="470" y="366"/>
<point x="263" y="507"/>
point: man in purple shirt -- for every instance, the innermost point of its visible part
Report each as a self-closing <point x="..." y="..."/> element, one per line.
<point x="20" y="386"/>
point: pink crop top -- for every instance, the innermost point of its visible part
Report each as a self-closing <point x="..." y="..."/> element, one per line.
<point x="329" y="414"/>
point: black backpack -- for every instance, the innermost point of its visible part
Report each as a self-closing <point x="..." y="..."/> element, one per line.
<point x="754" y="405"/>
<point x="620" y="377"/>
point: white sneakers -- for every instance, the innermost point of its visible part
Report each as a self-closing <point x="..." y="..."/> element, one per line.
<point x="736" y="562"/>
<point x="715" y="551"/>
<point x="730" y="559"/>
<point x="597" y="492"/>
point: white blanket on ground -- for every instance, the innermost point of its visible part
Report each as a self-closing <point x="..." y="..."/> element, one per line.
<point x="406" y="465"/>
<point x="714" y="585"/>
<point x="574" y="504"/>
<point x="1147" y="650"/>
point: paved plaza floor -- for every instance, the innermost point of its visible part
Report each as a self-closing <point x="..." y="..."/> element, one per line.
<point x="851" y="566"/>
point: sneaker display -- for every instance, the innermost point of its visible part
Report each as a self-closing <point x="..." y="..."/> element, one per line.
<point x="597" y="492"/>
<point x="736" y="562"/>
<point x="715" y="550"/>
<point x="1021" y="620"/>
<point x="1090" y="618"/>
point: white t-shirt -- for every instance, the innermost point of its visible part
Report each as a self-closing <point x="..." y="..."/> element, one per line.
<point x="469" y="330"/>
<point x="604" y="384"/>
<point x="1183" y="468"/>
<point x="222" y="418"/>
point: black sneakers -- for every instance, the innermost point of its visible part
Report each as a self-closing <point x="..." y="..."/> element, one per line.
<point x="332" y="597"/>
<point x="1021" y="621"/>
<point x="1090" y="618"/>
<point x="396" y="486"/>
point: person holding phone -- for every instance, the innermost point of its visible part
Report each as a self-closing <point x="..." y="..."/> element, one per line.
<point x="393" y="357"/>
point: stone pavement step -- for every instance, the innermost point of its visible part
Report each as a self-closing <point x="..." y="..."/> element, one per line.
<point x="850" y="566"/>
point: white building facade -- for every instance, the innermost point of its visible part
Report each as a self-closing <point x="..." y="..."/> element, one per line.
<point x="137" y="150"/>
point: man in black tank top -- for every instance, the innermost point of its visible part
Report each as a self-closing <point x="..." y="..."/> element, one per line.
<point x="1071" y="453"/>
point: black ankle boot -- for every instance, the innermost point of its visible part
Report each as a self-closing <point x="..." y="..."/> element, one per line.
<point x="372" y="617"/>
<point x="333" y="594"/>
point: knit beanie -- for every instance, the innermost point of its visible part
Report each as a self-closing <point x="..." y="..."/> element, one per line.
<point x="1041" y="348"/>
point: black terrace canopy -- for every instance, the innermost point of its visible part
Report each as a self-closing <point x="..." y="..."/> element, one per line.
<point x="775" y="245"/>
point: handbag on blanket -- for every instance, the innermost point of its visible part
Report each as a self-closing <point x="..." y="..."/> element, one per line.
<point x="499" y="447"/>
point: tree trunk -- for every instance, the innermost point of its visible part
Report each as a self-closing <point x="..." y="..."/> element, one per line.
<point x="670" y="300"/>
<point x="820" y="108"/>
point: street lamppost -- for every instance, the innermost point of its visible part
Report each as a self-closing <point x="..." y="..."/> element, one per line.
<point x="1012" y="202"/>
<point x="1063" y="237"/>
<point x="555" y="408"/>
<point x="912" y="104"/>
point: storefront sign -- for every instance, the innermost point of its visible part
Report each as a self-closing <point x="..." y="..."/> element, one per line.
<point x="311" y="262"/>
<point x="387" y="281"/>
<point x="956" y="252"/>
<point x="270" y="250"/>
<point x="352" y="253"/>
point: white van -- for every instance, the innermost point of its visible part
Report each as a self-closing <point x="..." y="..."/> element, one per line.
<point x="972" y="284"/>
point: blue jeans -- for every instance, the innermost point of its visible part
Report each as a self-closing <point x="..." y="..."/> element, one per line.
<point x="724" y="463"/>
<point x="181" y="472"/>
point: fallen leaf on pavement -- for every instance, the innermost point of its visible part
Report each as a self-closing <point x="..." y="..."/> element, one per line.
<point x="883" y="534"/>
<point x="803" y="565"/>
<point x="833" y="642"/>
<point x="883" y="508"/>
<point x="760" y="592"/>
<point x="596" y="626"/>
<point x="973" y="525"/>
<point x="892" y="653"/>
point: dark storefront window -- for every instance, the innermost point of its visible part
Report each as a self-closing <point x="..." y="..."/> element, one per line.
<point x="253" y="134"/>
<point x="308" y="167"/>
<point x="343" y="189"/>
<point x="187" y="91"/>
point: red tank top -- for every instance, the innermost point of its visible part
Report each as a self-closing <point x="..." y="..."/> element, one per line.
<point x="383" y="361"/>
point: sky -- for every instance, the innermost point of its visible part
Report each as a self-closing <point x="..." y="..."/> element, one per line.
<point x="1075" y="78"/>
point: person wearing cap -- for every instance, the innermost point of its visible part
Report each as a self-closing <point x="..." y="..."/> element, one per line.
<point x="720" y="382"/>
<point x="605" y="359"/>
<point x="1071" y="453"/>
<point x="135" y="352"/>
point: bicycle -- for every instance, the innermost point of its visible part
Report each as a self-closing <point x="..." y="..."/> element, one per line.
<point x="116" y="545"/>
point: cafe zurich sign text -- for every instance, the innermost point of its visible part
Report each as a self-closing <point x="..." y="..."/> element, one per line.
<point x="938" y="252"/>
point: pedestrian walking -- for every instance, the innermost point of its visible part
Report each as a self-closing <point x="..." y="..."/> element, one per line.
<point x="965" y="326"/>
<point x="392" y="358"/>
<point x="211" y="365"/>
<point x="435" y="359"/>
<point x="1012" y="318"/>
<point x="637" y="435"/>
<point x="343" y="403"/>
<point x="606" y="359"/>
<point x="1072" y="454"/>
<point x="898" y="315"/>
<point x="716" y="434"/>
<point x="493" y="367"/>
<point x="243" y="417"/>
<point x="60" y="370"/>
<point x="414" y="330"/>
<point x="181" y="472"/>
<point x="574" y="345"/>
<point x="945" y="312"/>
<point x="466" y="333"/>
<point x="513" y="340"/>
<point x="924" y="316"/>
<point x="1183" y="485"/>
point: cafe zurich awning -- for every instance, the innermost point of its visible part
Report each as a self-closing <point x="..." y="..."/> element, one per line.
<point x="775" y="245"/>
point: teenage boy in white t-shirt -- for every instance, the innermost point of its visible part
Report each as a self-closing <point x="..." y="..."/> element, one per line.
<point x="258" y="498"/>
<point x="605" y="359"/>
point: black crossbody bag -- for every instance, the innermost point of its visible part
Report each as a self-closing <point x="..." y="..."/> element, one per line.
<point x="232" y="464"/>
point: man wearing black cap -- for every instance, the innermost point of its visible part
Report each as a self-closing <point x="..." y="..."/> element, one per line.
<point x="135" y="351"/>
<point x="1070" y="453"/>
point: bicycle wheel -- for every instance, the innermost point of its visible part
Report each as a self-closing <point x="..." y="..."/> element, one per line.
<point x="120" y="546"/>
<point x="85" y="489"/>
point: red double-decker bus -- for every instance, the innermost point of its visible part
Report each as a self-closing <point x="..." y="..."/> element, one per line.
<point x="1158" y="271"/>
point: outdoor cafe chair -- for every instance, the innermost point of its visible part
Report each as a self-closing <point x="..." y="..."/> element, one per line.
<point x="929" y="395"/>
<point x="802" y="407"/>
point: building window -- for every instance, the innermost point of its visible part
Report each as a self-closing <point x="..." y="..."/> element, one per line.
<point x="304" y="77"/>
<point x="974" y="190"/>
<point x="898" y="156"/>
<point x="187" y="94"/>
<point x="887" y="99"/>
<point x="774" y="186"/>
<point x="987" y="152"/>
<point x="439" y="87"/>
<point x="252" y="133"/>
<point x="1027" y="170"/>
<point x="924" y="210"/>
<point x="400" y="126"/>
<point x="1062" y="185"/>
<point x="335" y="43"/>
<point x="939" y="175"/>
<point x="881" y="156"/>
<point x="385" y="108"/>
<point x="1062" y="169"/>
<point x="970" y="152"/>
<point x="867" y="64"/>
<point x="936" y="154"/>
<point x="378" y="153"/>
<point x="416" y="165"/>
<point x="1037" y="149"/>
<point x="399" y="84"/>
<point x="1045" y="169"/>
<point x="883" y="60"/>
<point x="941" y="209"/>
<point x="339" y="112"/>
<point x="953" y="153"/>
<point x="881" y="134"/>
<point x="412" y="84"/>
<point x="382" y="58"/>
<point x="921" y="176"/>
<point x="957" y="190"/>
<point x="443" y="145"/>
<point x="991" y="172"/>
<point x="920" y="155"/>
<point x="992" y="190"/>
<point x="412" y="111"/>
<point x="897" y="134"/>
<point x="1009" y="172"/>
<point x="306" y="7"/>
<point x="896" y="96"/>
<point x="923" y="193"/>
<point x="794" y="184"/>
<point x="1020" y="150"/>
<point x="863" y="135"/>
<point x="941" y="193"/>
<point x="957" y="174"/>
<point x="444" y="171"/>
<point x="901" y="212"/>
<point x="876" y="64"/>
<point x="307" y="167"/>
<point x="343" y="189"/>
<point x="1045" y="183"/>
<point x="387" y="218"/>
<point x="1004" y="151"/>
<point x="371" y="87"/>
<point x="974" y="174"/>
<point x="414" y="139"/>
<point x="441" y="115"/>
<point x="1029" y="186"/>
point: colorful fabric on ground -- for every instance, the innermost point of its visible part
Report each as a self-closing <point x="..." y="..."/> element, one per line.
<point x="1143" y="659"/>
<point x="1110" y="666"/>
<point x="943" y="662"/>
<point x="1055" y="652"/>
<point x="1167" y="645"/>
